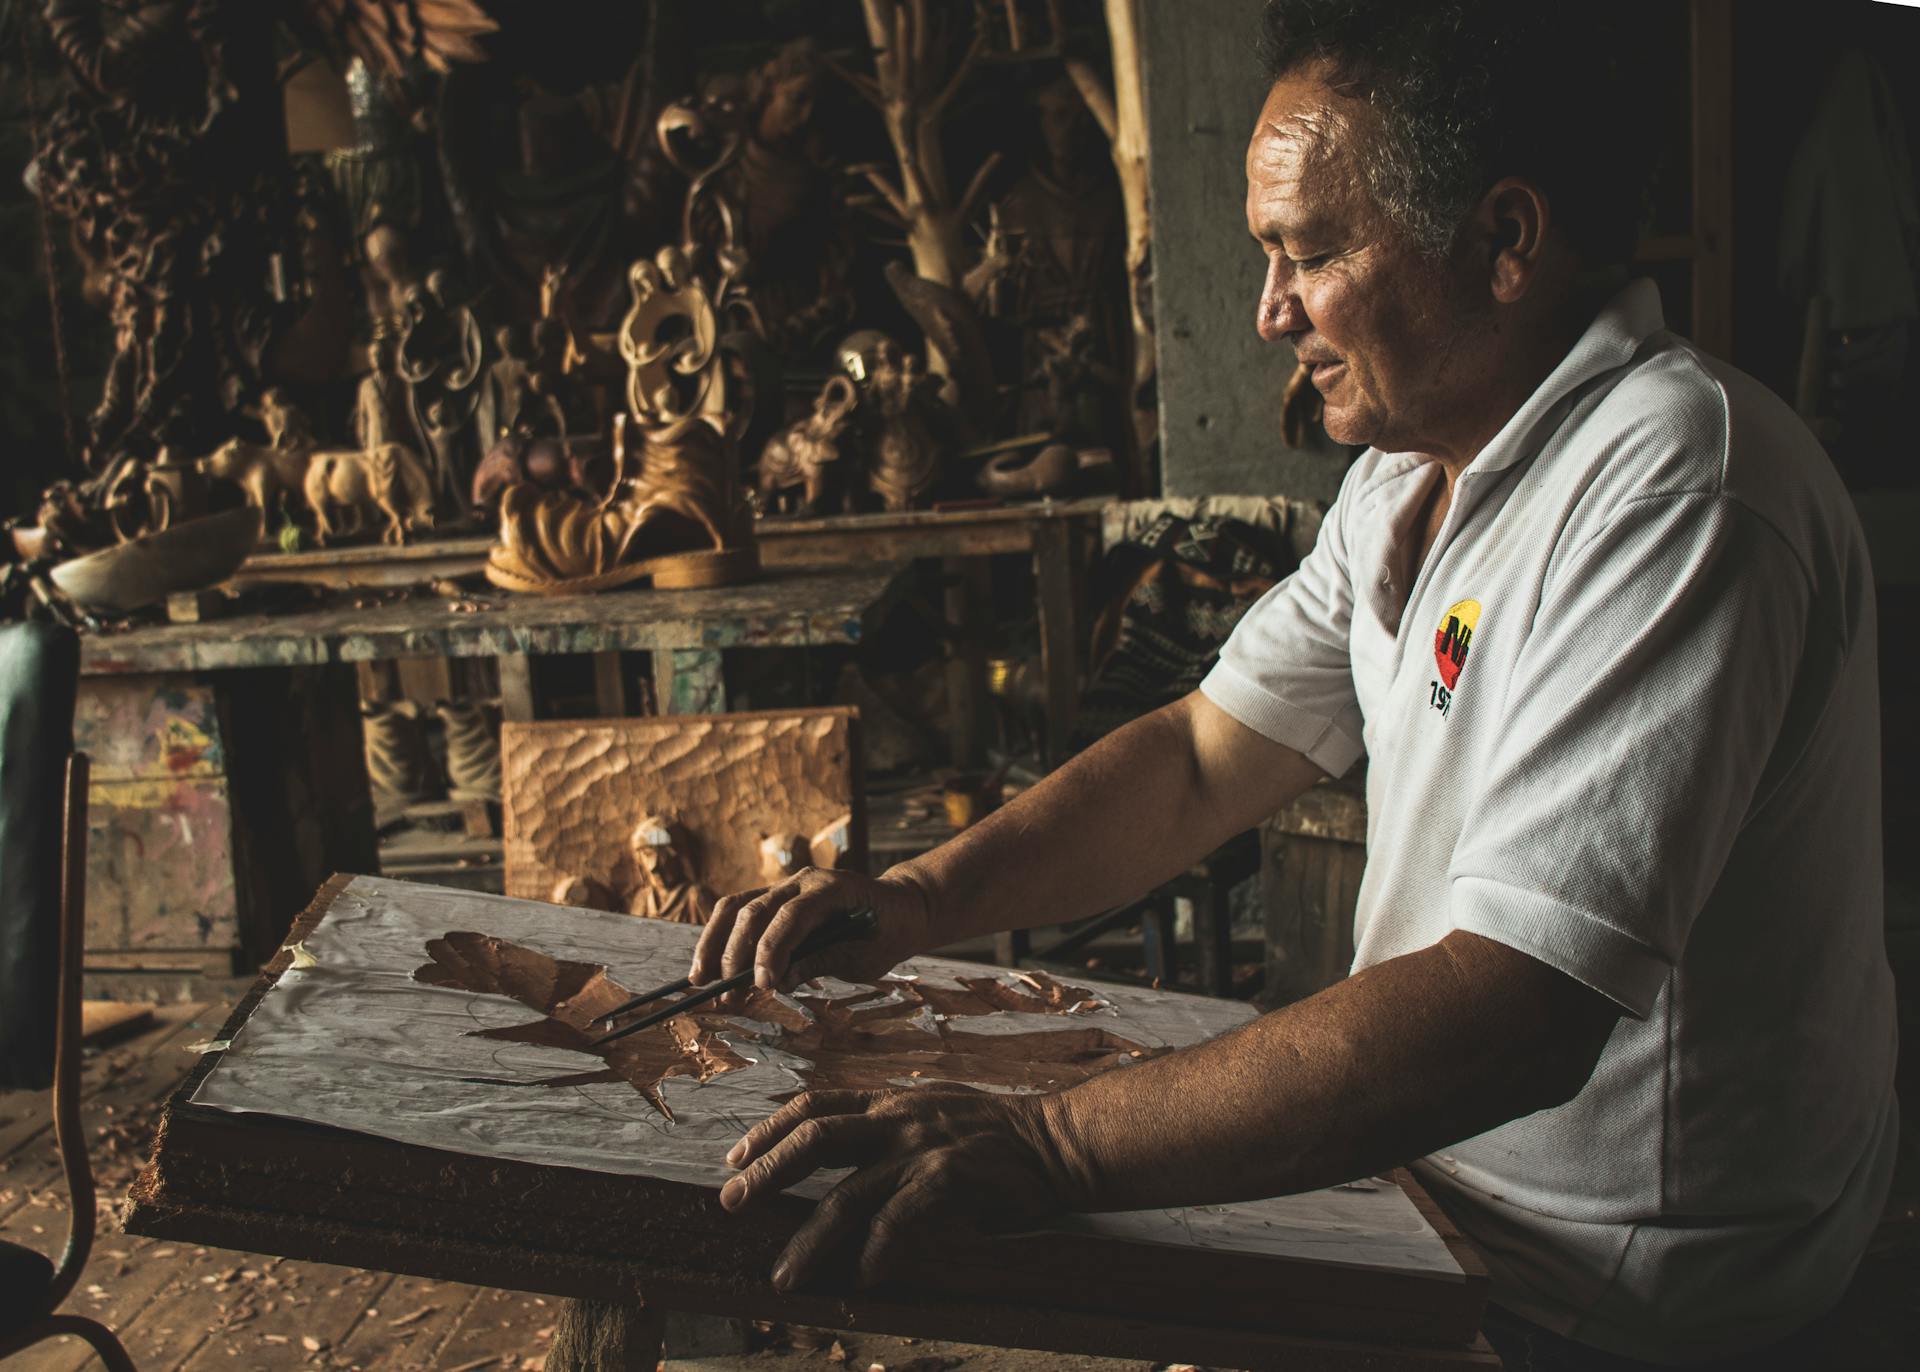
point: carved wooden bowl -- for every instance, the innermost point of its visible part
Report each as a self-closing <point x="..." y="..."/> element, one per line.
<point x="148" y="569"/>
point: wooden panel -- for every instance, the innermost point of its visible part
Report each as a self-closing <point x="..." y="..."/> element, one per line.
<point x="573" y="791"/>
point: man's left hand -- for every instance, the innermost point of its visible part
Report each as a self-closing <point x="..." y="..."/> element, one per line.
<point x="928" y="1155"/>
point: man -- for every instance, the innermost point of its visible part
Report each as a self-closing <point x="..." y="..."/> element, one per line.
<point x="1597" y="610"/>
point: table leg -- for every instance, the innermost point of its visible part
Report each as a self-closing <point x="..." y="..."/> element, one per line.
<point x="516" y="687"/>
<point x="1213" y="936"/>
<point x="606" y="1336"/>
<point x="609" y="686"/>
<point x="969" y="586"/>
<point x="1157" y="942"/>
<point x="1053" y="571"/>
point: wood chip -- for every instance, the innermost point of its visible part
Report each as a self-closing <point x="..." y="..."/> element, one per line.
<point x="837" y="1352"/>
<point x="311" y="1344"/>
<point x="417" y="1315"/>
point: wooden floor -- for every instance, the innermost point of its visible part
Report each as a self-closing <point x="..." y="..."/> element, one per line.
<point x="186" y="1309"/>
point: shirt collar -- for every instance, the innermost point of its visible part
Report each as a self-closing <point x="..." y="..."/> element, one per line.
<point x="1610" y="342"/>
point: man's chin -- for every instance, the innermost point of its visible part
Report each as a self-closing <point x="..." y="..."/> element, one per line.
<point x="1349" y="425"/>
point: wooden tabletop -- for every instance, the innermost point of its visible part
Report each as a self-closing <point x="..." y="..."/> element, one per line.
<point x="782" y="609"/>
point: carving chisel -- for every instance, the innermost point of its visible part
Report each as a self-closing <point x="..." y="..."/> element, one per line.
<point x="851" y="924"/>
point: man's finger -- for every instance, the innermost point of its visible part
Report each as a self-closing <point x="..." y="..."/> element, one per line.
<point x="798" y="916"/>
<point x="805" y="1106"/>
<point x="748" y="925"/>
<point x="836" y="1141"/>
<point x="895" y="1227"/>
<point x="713" y="936"/>
<point x="842" y="1215"/>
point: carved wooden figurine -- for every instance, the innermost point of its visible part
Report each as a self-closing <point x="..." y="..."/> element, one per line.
<point x="345" y="488"/>
<point x="906" y="455"/>
<point x="783" y="855"/>
<point x="273" y="479"/>
<point x="380" y="409"/>
<point x="668" y="888"/>
<point x="808" y="455"/>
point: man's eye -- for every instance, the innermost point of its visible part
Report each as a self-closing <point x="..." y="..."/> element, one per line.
<point x="1314" y="263"/>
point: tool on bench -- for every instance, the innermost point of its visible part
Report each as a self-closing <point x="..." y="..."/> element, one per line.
<point x="850" y="924"/>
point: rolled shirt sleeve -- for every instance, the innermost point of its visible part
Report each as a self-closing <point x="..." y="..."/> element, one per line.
<point x="1638" y="727"/>
<point x="1286" y="672"/>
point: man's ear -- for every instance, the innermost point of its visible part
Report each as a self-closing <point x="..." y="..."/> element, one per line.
<point x="1513" y="219"/>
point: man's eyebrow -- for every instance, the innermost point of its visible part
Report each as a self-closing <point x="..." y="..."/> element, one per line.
<point x="1276" y="230"/>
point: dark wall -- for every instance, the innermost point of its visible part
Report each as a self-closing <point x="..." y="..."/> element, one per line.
<point x="33" y="448"/>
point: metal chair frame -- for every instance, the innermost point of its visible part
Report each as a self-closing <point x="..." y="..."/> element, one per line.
<point x="67" y="1132"/>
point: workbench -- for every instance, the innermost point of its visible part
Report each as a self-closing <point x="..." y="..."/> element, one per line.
<point x="194" y="725"/>
<point x="626" y="1249"/>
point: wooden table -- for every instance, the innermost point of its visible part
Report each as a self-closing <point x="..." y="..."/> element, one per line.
<point x="1056" y="534"/>
<point x="627" y="1249"/>
<point x="195" y="725"/>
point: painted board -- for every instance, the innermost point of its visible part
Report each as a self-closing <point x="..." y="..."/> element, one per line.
<point x="418" y="1014"/>
<point x="573" y="791"/>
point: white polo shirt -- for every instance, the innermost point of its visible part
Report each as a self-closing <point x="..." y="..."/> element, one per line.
<point x="1627" y="722"/>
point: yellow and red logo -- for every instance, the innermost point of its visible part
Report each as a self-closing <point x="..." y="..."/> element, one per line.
<point x="1452" y="639"/>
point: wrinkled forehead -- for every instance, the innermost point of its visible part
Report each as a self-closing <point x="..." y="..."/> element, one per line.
<point x="1304" y="157"/>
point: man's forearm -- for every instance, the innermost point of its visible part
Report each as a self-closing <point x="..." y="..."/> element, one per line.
<point x="1140" y="806"/>
<point x="1404" y="1058"/>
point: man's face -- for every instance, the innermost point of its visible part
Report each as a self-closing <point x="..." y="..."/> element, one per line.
<point x="1380" y="325"/>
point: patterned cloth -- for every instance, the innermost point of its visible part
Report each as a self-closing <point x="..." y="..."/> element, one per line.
<point x="1178" y="590"/>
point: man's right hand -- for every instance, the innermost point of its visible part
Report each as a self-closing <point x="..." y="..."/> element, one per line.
<point x="759" y="930"/>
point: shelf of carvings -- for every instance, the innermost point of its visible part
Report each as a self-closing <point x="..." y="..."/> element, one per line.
<point x="785" y="541"/>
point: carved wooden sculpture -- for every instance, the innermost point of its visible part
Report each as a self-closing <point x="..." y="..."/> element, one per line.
<point x="439" y="358"/>
<point x="346" y="490"/>
<point x="170" y="166"/>
<point x="808" y="455"/>
<point x="675" y="516"/>
<point x="663" y="854"/>
<point x="916" y="76"/>
<point x="381" y="411"/>
<point x="906" y="455"/>
<point x="273" y="479"/>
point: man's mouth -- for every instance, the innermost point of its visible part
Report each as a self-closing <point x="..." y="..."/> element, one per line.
<point x="1325" y="374"/>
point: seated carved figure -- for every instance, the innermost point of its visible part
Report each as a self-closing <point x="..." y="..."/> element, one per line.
<point x="782" y="855"/>
<point x="668" y="888"/>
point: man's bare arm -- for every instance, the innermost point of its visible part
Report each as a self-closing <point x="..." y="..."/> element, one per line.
<point x="1140" y="806"/>
<point x="1404" y="1058"/>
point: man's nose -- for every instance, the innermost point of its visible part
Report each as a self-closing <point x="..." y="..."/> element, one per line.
<point x="1279" y="313"/>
